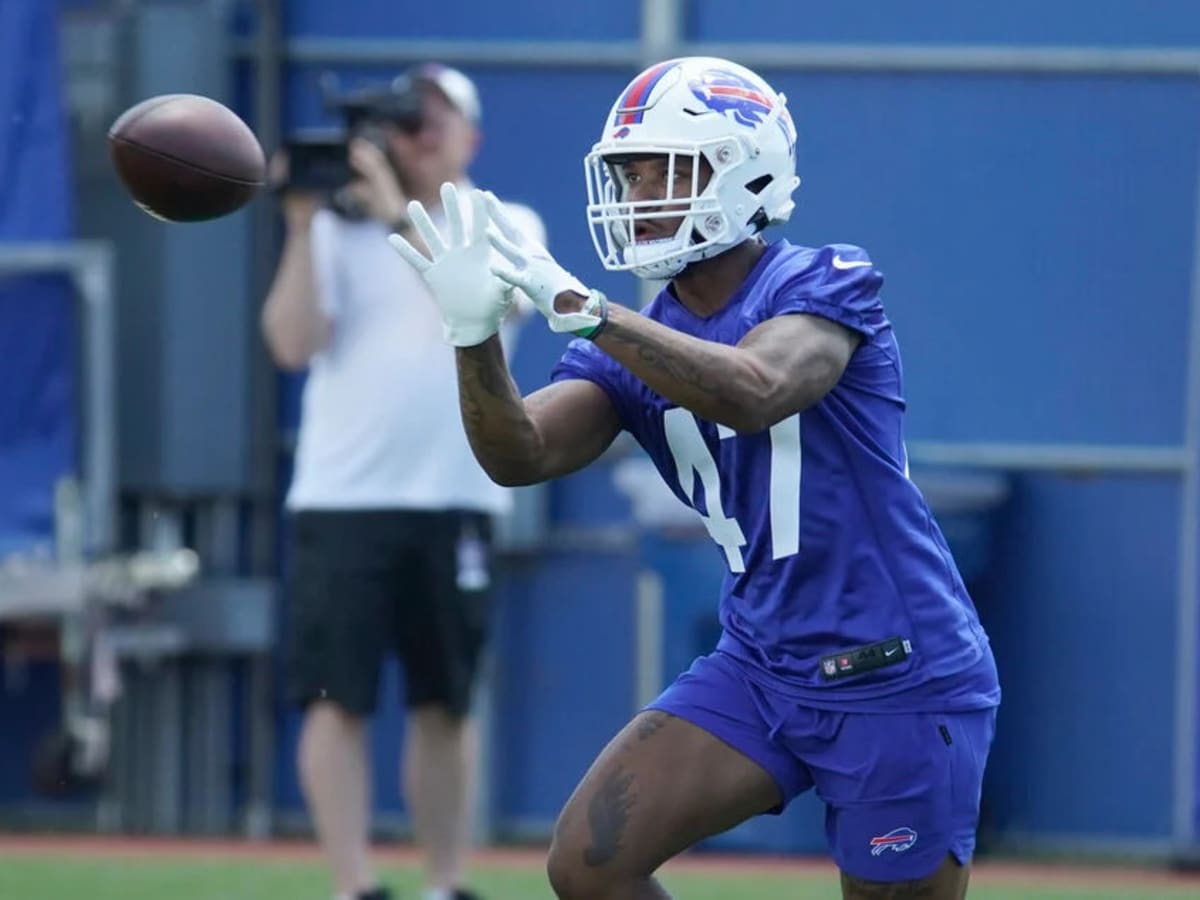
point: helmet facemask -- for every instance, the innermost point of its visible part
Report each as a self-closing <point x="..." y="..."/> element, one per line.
<point x="695" y="202"/>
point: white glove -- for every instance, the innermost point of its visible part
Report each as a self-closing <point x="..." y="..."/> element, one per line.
<point x="471" y="299"/>
<point x="535" y="272"/>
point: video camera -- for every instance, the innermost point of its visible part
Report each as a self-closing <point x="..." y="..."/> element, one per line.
<point x="319" y="160"/>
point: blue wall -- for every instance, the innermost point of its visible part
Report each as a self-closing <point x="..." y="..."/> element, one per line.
<point x="37" y="319"/>
<point x="1082" y="613"/>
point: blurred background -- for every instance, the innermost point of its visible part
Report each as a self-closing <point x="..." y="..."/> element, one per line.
<point x="1026" y="176"/>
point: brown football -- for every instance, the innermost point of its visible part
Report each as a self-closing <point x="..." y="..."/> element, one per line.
<point x="186" y="158"/>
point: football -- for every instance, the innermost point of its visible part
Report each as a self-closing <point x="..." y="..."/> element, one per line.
<point x="186" y="158"/>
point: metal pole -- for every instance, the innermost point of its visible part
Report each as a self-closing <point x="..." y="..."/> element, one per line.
<point x="815" y="57"/>
<point x="649" y="674"/>
<point x="961" y="58"/>
<point x="260" y="711"/>
<point x="1187" y="638"/>
<point x="1081" y="458"/>
<point x="95" y="279"/>
<point x="662" y="30"/>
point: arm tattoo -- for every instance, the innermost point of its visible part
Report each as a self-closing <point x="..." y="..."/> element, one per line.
<point x="650" y="723"/>
<point x="701" y="376"/>
<point x="676" y="366"/>
<point x="766" y="376"/>
<point x="608" y="811"/>
<point x="493" y="413"/>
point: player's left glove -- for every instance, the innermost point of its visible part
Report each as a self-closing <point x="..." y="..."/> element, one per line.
<point x="539" y="275"/>
<point x="471" y="299"/>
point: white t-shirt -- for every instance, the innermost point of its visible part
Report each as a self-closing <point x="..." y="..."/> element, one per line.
<point x="380" y="425"/>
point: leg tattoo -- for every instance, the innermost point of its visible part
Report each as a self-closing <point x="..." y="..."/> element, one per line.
<point x="608" y="812"/>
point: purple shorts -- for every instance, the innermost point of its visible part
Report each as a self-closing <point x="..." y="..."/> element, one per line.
<point x="901" y="790"/>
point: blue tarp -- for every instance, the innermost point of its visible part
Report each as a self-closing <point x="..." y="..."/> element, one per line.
<point x="38" y="409"/>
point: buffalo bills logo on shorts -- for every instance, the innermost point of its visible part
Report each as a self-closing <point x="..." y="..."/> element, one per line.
<point x="898" y="839"/>
<point x="728" y="93"/>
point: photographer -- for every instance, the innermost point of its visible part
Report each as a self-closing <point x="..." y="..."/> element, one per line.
<point x="391" y="514"/>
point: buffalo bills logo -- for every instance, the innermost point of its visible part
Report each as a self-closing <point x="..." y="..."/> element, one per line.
<point x="621" y="132"/>
<point x="728" y="93"/>
<point x="898" y="839"/>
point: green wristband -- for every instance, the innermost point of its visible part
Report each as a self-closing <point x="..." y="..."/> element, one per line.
<point x="597" y="305"/>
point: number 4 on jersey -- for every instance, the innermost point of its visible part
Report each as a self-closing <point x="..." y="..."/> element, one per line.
<point x="691" y="454"/>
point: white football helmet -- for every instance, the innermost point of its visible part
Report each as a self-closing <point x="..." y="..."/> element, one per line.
<point x="692" y="107"/>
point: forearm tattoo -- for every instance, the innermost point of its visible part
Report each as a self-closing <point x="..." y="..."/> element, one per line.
<point x="608" y="813"/>
<point x="675" y="363"/>
<point x="698" y="379"/>
<point x="493" y="413"/>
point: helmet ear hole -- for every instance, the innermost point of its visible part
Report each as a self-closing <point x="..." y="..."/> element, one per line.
<point x="759" y="184"/>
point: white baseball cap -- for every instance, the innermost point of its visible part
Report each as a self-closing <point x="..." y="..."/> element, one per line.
<point x="453" y="85"/>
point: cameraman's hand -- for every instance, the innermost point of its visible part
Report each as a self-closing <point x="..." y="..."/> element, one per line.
<point x="378" y="191"/>
<point x="472" y="300"/>
<point x="298" y="206"/>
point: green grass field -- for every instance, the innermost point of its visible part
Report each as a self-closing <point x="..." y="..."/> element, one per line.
<point x="44" y="876"/>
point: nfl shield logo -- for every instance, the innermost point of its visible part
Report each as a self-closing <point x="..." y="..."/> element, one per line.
<point x="830" y="666"/>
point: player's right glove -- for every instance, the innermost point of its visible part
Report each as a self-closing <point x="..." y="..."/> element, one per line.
<point x="471" y="299"/>
<point x="539" y="275"/>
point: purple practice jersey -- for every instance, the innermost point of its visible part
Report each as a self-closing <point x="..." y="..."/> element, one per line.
<point x="841" y="589"/>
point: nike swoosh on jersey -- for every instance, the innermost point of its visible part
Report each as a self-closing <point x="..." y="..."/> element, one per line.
<point x="839" y="263"/>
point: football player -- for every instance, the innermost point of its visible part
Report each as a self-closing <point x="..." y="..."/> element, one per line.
<point x="765" y="383"/>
